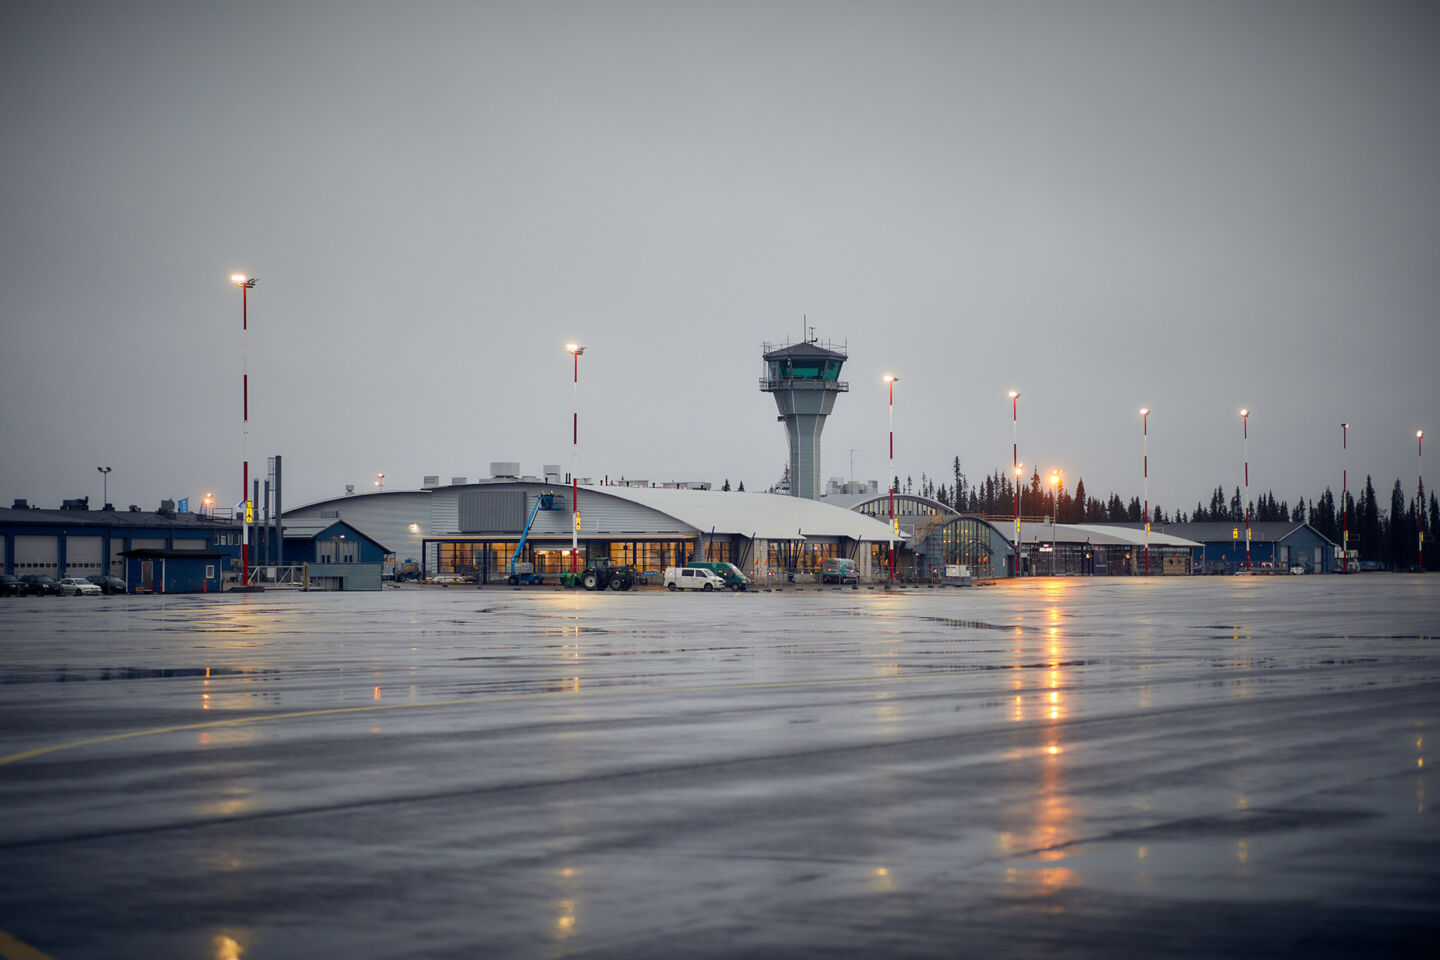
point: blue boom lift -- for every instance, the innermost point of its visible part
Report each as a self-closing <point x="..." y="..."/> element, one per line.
<point x="525" y="572"/>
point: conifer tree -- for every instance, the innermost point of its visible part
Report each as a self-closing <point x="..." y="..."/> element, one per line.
<point x="1372" y="541"/>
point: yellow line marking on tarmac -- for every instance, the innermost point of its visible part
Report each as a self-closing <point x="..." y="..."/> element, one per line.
<point x="370" y="708"/>
<point x="12" y="949"/>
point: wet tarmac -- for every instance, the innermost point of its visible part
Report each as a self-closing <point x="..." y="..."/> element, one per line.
<point x="1096" y="768"/>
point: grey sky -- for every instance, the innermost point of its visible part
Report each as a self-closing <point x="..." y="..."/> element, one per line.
<point x="1191" y="206"/>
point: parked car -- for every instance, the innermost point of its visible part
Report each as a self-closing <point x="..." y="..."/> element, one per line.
<point x="693" y="578"/>
<point x="107" y="583"/>
<point x="40" y="584"/>
<point x="11" y="586"/>
<point x="731" y="574"/>
<point x="78" y="587"/>
<point x="839" y="570"/>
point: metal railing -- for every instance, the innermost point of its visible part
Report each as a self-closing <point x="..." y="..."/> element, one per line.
<point x="293" y="575"/>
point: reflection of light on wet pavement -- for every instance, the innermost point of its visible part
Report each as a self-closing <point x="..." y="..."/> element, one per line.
<point x="881" y="881"/>
<point x="565" y="922"/>
<point x="227" y="948"/>
<point x="565" y="918"/>
<point x="1043" y="881"/>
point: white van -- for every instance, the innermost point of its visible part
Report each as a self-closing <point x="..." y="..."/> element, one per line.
<point x="693" y="578"/>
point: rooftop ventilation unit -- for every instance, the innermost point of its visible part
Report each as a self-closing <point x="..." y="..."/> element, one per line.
<point x="508" y="469"/>
<point x="459" y="481"/>
<point x="431" y="480"/>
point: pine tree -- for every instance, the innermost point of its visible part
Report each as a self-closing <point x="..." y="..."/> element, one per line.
<point x="1322" y="515"/>
<point x="741" y="488"/>
<point x="726" y="487"/>
<point x="1431" y="560"/>
<point x="1399" y="556"/>
<point x="1372" y="540"/>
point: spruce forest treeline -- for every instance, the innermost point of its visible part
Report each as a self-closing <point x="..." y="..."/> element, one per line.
<point x="1384" y="532"/>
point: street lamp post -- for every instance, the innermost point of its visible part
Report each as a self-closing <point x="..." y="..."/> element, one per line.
<point x="380" y="481"/>
<point x="1420" y="495"/>
<point x="1145" y="425"/>
<point x="1345" y="498"/>
<point x="1245" y="419"/>
<point x="1019" y="469"/>
<point x="1015" y="462"/>
<point x="890" y="381"/>
<point x="245" y="284"/>
<point x="104" y="485"/>
<point x="575" y="351"/>
<point x="1054" y="515"/>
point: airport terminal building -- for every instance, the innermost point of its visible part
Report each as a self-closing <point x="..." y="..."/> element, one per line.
<point x="474" y="529"/>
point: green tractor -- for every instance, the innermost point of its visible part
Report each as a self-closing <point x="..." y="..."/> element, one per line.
<point x="601" y="573"/>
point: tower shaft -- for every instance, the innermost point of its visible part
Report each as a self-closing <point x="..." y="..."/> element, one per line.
<point x="805" y="380"/>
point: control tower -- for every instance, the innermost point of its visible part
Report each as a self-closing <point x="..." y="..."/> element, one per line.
<point x="805" y="379"/>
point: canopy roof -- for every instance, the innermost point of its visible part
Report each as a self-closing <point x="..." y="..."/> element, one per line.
<point x="1100" y="534"/>
<point x="766" y="516"/>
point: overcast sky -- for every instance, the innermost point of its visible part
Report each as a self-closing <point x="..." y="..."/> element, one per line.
<point x="1192" y="206"/>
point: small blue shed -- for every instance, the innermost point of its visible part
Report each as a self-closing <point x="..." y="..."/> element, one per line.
<point x="149" y="570"/>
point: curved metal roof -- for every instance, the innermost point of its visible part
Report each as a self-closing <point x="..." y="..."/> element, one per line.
<point x="768" y="516"/>
<point x="858" y="500"/>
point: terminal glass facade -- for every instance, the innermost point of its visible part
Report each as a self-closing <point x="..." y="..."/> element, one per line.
<point x="801" y="556"/>
<point x="972" y="542"/>
<point x="490" y="559"/>
<point x="905" y="506"/>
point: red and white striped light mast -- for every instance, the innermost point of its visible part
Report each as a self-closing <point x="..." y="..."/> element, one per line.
<point x="1419" y="495"/>
<point x="1345" y="498"/>
<point x="1015" y="462"/>
<point x="575" y="351"/>
<point x="1245" y="417"/>
<point x="244" y="283"/>
<point x="890" y="380"/>
<point x="1145" y="426"/>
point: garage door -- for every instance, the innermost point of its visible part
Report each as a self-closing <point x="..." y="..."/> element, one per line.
<point x="37" y="555"/>
<point x="84" y="556"/>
